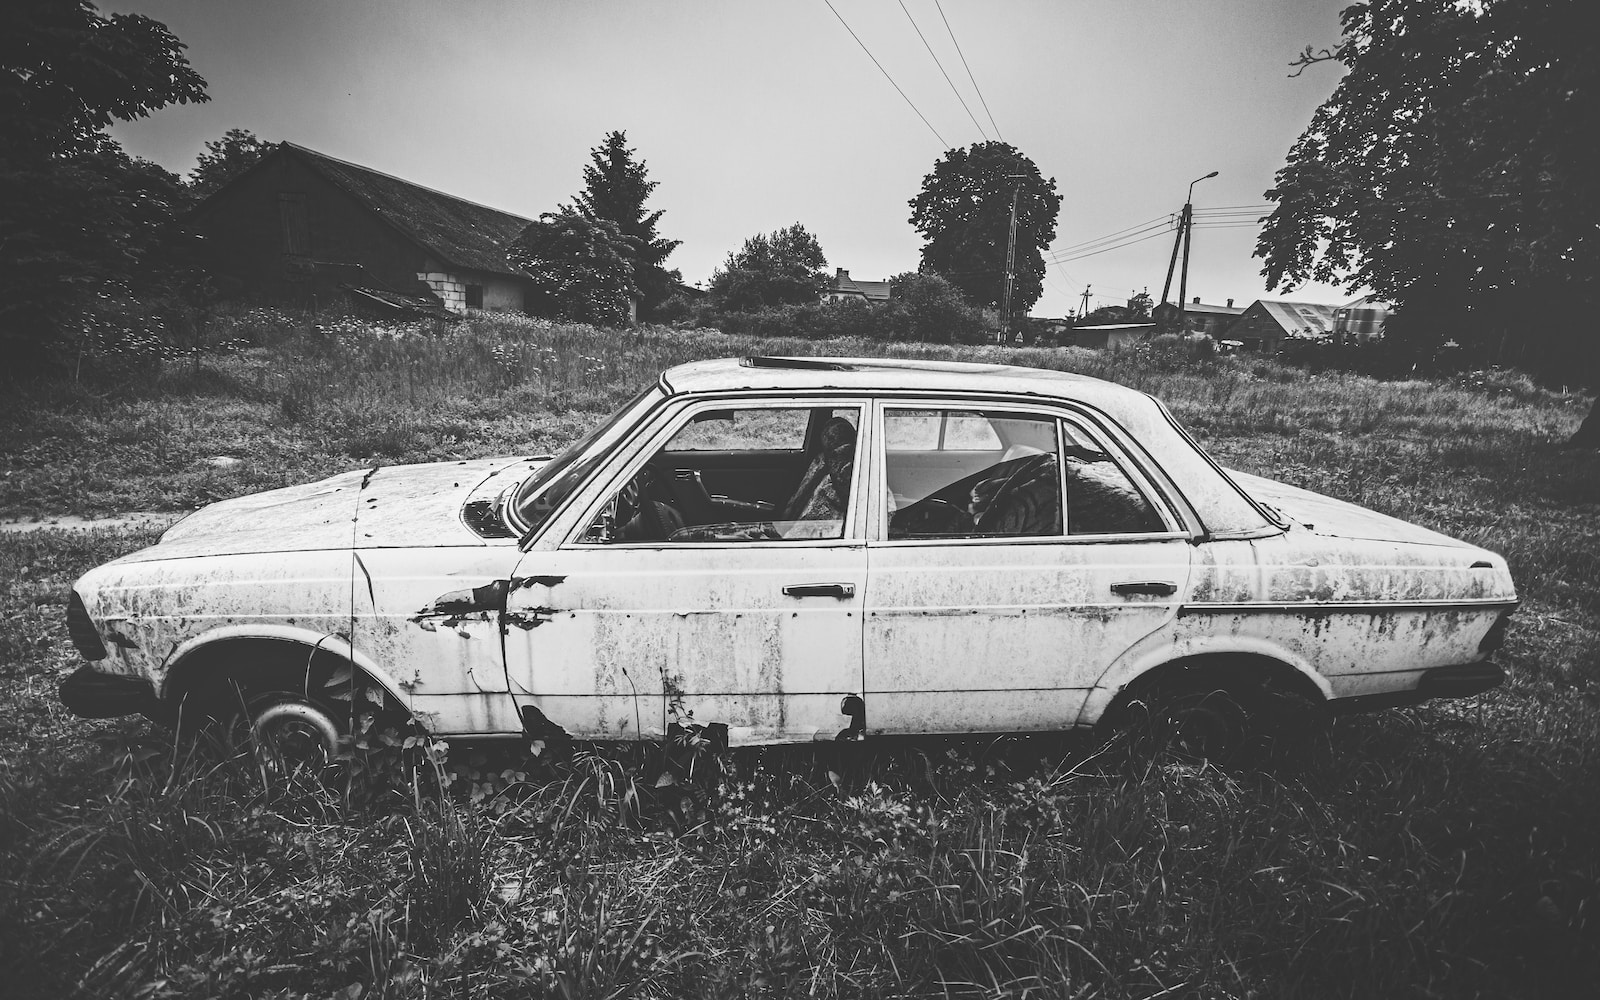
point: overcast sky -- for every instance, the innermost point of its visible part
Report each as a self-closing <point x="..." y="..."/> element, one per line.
<point x="754" y="114"/>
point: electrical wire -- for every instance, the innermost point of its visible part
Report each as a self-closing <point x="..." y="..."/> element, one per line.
<point x="1096" y="253"/>
<point x="970" y="77"/>
<point x="1163" y="223"/>
<point x="885" y="73"/>
<point x="946" y="76"/>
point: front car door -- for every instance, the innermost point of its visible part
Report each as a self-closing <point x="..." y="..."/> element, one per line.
<point x="712" y="575"/>
<point x="1015" y="553"/>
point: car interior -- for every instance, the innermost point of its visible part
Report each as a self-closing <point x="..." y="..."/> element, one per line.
<point x="775" y="473"/>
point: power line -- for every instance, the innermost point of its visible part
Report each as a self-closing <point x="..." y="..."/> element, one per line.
<point x="886" y="75"/>
<point x="964" y="65"/>
<point x="1163" y="222"/>
<point x="946" y="76"/>
<point x="1117" y="246"/>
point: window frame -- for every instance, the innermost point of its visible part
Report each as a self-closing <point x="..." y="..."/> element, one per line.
<point x="654" y="440"/>
<point x="1158" y="496"/>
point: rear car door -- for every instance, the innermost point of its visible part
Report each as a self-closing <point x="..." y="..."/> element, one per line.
<point x="1015" y="553"/>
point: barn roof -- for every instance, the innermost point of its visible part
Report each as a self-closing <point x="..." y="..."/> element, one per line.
<point x="458" y="231"/>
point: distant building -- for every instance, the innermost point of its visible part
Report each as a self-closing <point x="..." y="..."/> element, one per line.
<point x="845" y="287"/>
<point x="1110" y="336"/>
<point x="1211" y="320"/>
<point x="1265" y="325"/>
<point x="1361" y="321"/>
<point x="303" y="227"/>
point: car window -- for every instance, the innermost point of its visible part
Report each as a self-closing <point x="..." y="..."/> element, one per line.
<point x="743" y="473"/>
<point x="1101" y="498"/>
<point x="971" y="473"/>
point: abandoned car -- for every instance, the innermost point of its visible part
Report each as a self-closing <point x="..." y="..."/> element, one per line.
<point x="769" y="550"/>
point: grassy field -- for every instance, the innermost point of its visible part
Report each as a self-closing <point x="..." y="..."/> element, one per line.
<point x="1445" y="851"/>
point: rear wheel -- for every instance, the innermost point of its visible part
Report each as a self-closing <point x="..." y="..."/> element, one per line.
<point x="1196" y="722"/>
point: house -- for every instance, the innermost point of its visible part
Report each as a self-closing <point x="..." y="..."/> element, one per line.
<point x="1361" y="321"/>
<point x="1265" y="325"/>
<point x="1112" y="336"/>
<point x="1211" y="320"/>
<point x="303" y="227"/>
<point x="845" y="288"/>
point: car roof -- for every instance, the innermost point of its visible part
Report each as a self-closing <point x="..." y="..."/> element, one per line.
<point x="879" y="374"/>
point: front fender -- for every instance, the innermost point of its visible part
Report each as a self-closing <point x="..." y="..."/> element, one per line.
<point x="331" y="642"/>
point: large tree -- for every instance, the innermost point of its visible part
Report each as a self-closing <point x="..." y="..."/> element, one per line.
<point x="581" y="268"/>
<point x="615" y="187"/>
<point x="1453" y="172"/>
<point x="224" y="159"/>
<point x="80" y="221"/>
<point x="786" y="267"/>
<point x="964" y="214"/>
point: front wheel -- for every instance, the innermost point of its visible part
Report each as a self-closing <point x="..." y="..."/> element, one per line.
<point x="291" y="732"/>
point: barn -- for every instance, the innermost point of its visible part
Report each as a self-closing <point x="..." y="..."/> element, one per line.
<point x="305" y="228"/>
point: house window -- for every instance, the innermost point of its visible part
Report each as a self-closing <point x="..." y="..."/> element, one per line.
<point x="296" y="225"/>
<point x="474" y="296"/>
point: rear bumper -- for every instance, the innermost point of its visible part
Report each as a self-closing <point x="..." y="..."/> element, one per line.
<point x="93" y="694"/>
<point x="1459" y="681"/>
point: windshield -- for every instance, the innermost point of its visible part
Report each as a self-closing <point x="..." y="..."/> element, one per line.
<point x="546" y="489"/>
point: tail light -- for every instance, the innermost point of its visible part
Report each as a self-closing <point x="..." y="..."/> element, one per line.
<point x="1496" y="636"/>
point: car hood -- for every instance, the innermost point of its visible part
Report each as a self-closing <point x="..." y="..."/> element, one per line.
<point x="1335" y="518"/>
<point x="382" y="507"/>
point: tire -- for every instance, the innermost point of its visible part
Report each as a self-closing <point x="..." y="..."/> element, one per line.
<point x="269" y="720"/>
<point x="1193" y="722"/>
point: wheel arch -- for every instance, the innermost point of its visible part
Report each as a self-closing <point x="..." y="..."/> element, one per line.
<point x="188" y="662"/>
<point x="1239" y="661"/>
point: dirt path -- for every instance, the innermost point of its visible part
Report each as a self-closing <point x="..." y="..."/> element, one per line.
<point x="132" y="519"/>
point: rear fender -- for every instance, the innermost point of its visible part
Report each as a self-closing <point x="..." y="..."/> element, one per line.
<point x="1143" y="658"/>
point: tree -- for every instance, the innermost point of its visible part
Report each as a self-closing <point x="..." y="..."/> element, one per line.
<point x="581" y="268"/>
<point x="934" y="310"/>
<point x="224" y="159"/>
<point x="786" y="267"/>
<point x="1452" y="171"/>
<point x="964" y="214"/>
<point x="615" y="188"/>
<point x="82" y="221"/>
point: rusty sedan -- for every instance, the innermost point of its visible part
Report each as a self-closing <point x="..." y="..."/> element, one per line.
<point x="772" y="550"/>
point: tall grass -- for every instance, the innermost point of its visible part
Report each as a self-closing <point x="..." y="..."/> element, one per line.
<point x="1447" y="850"/>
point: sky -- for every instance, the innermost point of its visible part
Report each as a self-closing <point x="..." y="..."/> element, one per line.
<point x="755" y="114"/>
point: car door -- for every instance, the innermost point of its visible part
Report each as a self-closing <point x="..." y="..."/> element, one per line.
<point x="1015" y="553"/>
<point x="639" y="613"/>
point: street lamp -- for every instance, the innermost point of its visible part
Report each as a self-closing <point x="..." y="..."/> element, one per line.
<point x="1184" y="225"/>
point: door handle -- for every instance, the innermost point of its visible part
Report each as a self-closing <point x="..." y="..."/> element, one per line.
<point x="839" y="590"/>
<point x="1155" y="588"/>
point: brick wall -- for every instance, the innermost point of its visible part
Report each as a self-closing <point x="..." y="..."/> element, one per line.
<point x="450" y="288"/>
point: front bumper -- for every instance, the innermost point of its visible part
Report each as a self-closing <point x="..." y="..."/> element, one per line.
<point x="93" y="694"/>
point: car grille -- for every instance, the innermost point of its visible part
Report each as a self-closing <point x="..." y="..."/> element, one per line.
<point x="82" y="630"/>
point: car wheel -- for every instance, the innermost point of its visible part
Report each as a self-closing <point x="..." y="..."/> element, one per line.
<point x="290" y="732"/>
<point x="284" y="730"/>
<point x="1200" y="723"/>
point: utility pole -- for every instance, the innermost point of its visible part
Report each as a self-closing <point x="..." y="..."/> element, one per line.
<point x="1085" y="310"/>
<point x="1011" y="265"/>
<point x="1183" y="224"/>
<point x="1188" y="227"/>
